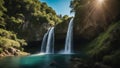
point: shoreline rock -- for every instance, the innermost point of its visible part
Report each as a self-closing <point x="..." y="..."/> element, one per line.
<point x="13" y="52"/>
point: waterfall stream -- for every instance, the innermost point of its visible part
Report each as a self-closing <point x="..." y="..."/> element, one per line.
<point x="44" y="42"/>
<point x="48" y="42"/>
<point x="69" y="38"/>
<point x="47" y="46"/>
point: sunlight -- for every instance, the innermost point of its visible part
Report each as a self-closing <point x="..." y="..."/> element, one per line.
<point x="100" y="1"/>
<point x="95" y="13"/>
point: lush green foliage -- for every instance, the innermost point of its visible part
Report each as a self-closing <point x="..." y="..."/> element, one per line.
<point x="31" y="10"/>
<point x="30" y="18"/>
<point x="26" y="19"/>
<point x="8" y="39"/>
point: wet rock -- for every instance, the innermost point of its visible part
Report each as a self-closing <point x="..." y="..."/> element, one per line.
<point x="6" y="52"/>
<point x="12" y="50"/>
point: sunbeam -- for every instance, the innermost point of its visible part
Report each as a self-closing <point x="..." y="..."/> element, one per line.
<point x="100" y="1"/>
<point x="95" y="14"/>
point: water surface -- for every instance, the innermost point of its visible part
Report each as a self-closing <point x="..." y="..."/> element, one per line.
<point x="39" y="61"/>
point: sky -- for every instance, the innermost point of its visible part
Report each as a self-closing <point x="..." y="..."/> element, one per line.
<point x="60" y="6"/>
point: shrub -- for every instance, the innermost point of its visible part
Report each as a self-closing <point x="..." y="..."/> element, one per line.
<point x="7" y="43"/>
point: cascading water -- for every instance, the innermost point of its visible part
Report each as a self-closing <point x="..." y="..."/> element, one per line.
<point x="44" y="42"/>
<point x="48" y="42"/>
<point x="69" y="38"/>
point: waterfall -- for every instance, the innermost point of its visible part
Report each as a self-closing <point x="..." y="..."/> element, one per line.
<point x="48" y="42"/>
<point x="44" y="42"/>
<point x="69" y="38"/>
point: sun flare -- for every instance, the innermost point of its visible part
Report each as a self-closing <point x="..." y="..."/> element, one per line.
<point x="100" y="1"/>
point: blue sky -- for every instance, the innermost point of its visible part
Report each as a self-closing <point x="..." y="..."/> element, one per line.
<point x="60" y="6"/>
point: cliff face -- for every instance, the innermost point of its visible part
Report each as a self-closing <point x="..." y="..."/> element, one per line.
<point x="61" y="30"/>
